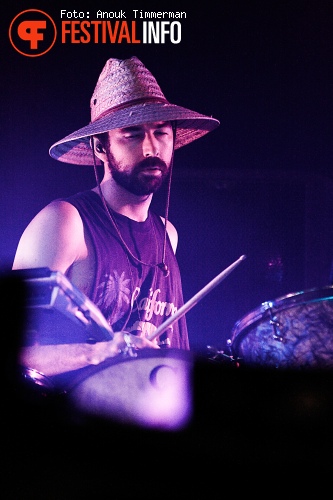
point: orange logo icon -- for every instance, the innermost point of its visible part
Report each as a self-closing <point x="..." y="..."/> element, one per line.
<point x="32" y="33"/>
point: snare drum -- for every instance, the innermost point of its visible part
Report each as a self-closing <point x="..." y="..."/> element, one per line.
<point x="293" y="331"/>
<point x="152" y="389"/>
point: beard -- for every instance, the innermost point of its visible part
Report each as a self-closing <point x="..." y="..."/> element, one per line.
<point x="137" y="179"/>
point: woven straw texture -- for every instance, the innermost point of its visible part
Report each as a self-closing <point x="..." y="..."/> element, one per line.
<point x="126" y="94"/>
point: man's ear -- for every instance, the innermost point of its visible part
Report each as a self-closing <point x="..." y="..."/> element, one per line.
<point x="98" y="148"/>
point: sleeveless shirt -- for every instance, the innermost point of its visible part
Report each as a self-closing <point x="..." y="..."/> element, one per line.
<point x="132" y="296"/>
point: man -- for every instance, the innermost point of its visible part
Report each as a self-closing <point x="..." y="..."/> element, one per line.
<point x="107" y="241"/>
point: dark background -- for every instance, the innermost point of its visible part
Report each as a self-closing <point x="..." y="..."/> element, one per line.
<point x="260" y="185"/>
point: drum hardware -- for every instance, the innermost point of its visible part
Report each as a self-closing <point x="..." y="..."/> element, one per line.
<point x="39" y="383"/>
<point x="130" y="350"/>
<point x="215" y="354"/>
<point x="267" y="306"/>
<point x="30" y="374"/>
<point x="57" y="312"/>
<point x="236" y="360"/>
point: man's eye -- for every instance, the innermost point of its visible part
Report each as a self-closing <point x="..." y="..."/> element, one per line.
<point x="131" y="136"/>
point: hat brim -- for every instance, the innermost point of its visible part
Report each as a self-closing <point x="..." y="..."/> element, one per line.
<point x="75" y="148"/>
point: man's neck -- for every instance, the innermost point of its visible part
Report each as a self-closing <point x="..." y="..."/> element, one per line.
<point x="123" y="202"/>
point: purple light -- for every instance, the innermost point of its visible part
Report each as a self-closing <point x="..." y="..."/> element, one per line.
<point x="153" y="391"/>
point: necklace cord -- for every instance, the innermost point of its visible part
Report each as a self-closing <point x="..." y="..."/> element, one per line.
<point x="162" y="265"/>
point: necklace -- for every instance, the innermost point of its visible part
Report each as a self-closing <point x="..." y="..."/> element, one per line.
<point x="129" y="254"/>
<point x="162" y="265"/>
<point x="135" y="302"/>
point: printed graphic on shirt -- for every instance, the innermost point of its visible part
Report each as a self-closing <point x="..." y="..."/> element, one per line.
<point x="115" y="298"/>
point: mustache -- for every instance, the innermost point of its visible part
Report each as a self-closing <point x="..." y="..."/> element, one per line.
<point x="152" y="161"/>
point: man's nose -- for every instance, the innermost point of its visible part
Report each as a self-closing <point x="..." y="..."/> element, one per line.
<point x="150" y="145"/>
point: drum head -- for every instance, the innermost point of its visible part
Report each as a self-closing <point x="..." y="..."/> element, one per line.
<point x="294" y="331"/>
<point x="152" y="389"/>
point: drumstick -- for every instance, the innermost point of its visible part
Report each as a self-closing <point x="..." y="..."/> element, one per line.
<point x="195" y="299"/>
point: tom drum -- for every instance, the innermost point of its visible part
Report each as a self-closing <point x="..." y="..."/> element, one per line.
<point x="151" y="389"/>
<point x="293" y="331"/>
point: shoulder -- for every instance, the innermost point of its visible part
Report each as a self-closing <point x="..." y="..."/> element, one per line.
<point x="54" y="238"/>
<point x="62" y="208"/>
<point x="57" y="215"/>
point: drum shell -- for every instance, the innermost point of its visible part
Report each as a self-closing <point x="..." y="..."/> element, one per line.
<point x="293" y="331"/>
<point x="151" y="389"/>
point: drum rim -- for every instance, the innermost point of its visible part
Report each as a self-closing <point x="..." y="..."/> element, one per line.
<point x="279" y="304"/>
<point x="36" y="377"/>
<point x="89" y="371"/>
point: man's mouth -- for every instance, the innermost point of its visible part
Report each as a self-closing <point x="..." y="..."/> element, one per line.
<point x="151" y="170"/>
<point x="152" y="166"/>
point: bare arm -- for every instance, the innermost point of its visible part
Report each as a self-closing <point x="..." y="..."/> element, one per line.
<point x="55" y="359"/>
<point x="54" y="238"/>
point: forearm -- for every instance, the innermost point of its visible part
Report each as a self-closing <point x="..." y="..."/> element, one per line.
<point x="60" y="358"/>
<point x="55" y="359"/>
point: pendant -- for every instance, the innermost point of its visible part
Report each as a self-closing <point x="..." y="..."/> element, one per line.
<point x="164" y="268"/>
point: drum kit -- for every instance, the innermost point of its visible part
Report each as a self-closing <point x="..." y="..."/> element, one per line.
<point x="293" y="332"/>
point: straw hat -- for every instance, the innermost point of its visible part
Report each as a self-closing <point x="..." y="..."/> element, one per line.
<point x="126" y="94"/>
